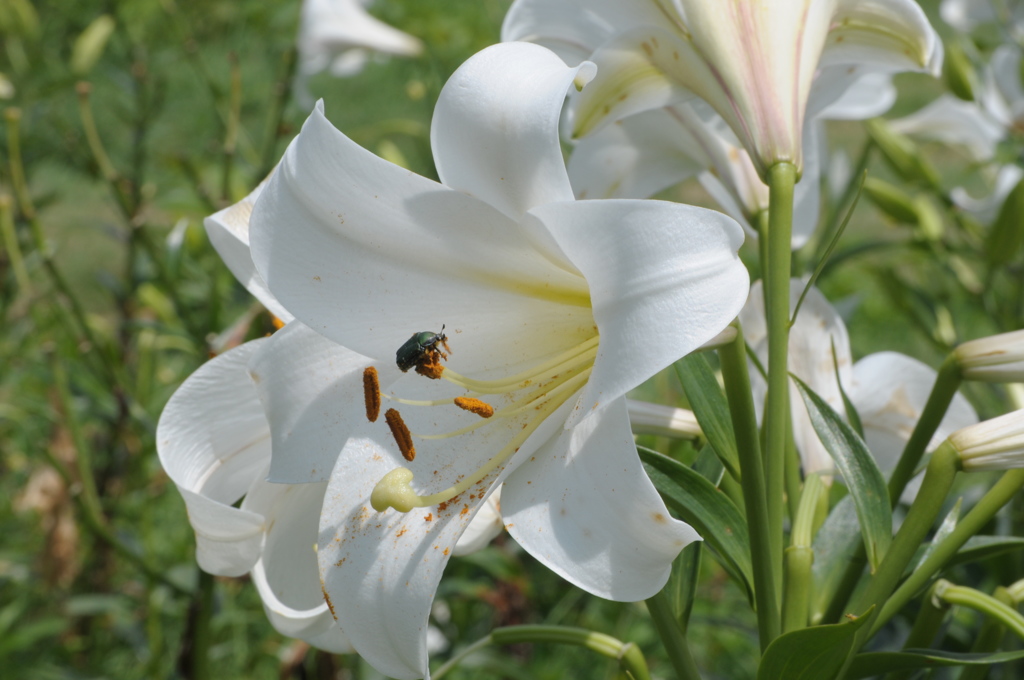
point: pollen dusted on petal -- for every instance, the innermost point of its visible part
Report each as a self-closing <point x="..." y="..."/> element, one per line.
<point x="401" y="434"/>
<point x="481" y="408"/>
<point x="371" y="393"/>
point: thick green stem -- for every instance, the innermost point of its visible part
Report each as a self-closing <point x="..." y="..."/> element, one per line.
<point x="946" y="384"/>
<point x="748" y="446"/>
<point x="781" y="180"/>
<point x="998" y="496"/>
<point x="926" y="627"/>
<point x="672" y="637"/>
<point x="800" y="558"/>
<point x="979" y="601"/>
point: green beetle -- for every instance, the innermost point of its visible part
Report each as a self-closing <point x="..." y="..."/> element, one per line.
<point x="419" y="347"/>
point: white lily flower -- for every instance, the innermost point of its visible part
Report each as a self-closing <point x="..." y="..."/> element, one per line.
<point x="966" y="15"/>
<point x="888" y="389"/>
<point x="996" y="444"/>
<point x="996" y="358"/>
<point x="978" y="128"/>
<point x="214" y="441"/>
<point x="553" y="309"/>
<point x="339" y="36"/>
<point x="753" y="61"/>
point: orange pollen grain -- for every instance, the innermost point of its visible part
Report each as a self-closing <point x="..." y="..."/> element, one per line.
<point x="401" y="434"/>
<point x="278" y="324"/>
<point x="430" y="366"/>
<point x="371" y="393"/>
<point x="481" y="408"/>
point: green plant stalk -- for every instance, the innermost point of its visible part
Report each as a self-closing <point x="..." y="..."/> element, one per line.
<point x="946" y="384"/>
<point x="275" y="113"/>
<point x="832" y="221"/>
<point x="800" y="558"/>
<point x="926" y="627"/>
<point x="999" y="495"/>
<point x="981" y="602"/>
<point x="990" y="637"/>
<point x="938" y="479"/>
<point x="735" y="375"/>
<point x="629" y="656"/>
<point x="781" y="180"/>
<point x="13" y="118"/>
<point x="672" y="637"/>
<point x="202" y="617"/>
<point x="12" y="246"/>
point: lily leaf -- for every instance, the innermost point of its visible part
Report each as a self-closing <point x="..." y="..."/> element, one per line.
<point x="877" y="663"/>
<point x="861" y="474"/>
<point x="709" y="405"/>
<point x="835" y="545"/>
<point x="697" y="502"/>
<point x="810" y="653"/>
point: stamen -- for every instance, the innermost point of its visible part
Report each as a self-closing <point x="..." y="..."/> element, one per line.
<point x="582" y="352"/>
<point x="401" y="434"/>
<point x="430" y="366"/>
<point x="371" y="393"/>
<point x="481" y="408"/>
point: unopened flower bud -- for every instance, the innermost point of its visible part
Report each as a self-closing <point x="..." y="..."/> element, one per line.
<point x="958" y="72"/>
<point x="996" y="444"/>
<point x="1007" y="233"/>
<point x="997" y="358"/>
<point x="891" y="199"/>
<point x="902" y="154"/>
<point x="666" y="421"/>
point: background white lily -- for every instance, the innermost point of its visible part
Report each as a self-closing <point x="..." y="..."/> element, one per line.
<point x="519" y="273"/>
<point x="755" y="61"/>
<point x="339" y="36"/>
<point x="888" y="389"/>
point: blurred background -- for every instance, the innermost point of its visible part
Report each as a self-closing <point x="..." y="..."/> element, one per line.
<point x="124" y="124"/>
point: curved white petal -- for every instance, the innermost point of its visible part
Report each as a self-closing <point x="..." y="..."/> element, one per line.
<point x="869" y="95"/>
<point x="312" y="392"/>
<point x="964" y="15"/>
<point x="986" y="207"/>
<point x="228" y="230"/>
<point x="568" y="27"/>
<point x="888" y="36"/>
<point x="495" y="127"/>
<point x="332" y="26"/>
<point x="405" y="255"/>
<point x="483" y="528"/>
<point x="585" y="508"/>
<point x="380" y="570"/>
<point x="648" y="264"/>
<point x="213" y="440"/>
<point x="286" y="574"/>
<point x="889" y="391"/>
<point x="1004" y="82"/>
<point x="953" y="121"/>
<point x="636" y="157"/>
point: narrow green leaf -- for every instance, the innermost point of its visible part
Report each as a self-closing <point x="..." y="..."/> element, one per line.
<point x="877" y="663"/>
<point x="1006" y="236"/>
<point x="810" y="653"/>
<point x="681" y="588"/>
<point x="861" y="474"/>
<point x="835" y="545"/>
<point x="851" y="411"/>
<point x="697" y="502"/>
<point x="947" y="526"/>
<point x="710" y="407"/>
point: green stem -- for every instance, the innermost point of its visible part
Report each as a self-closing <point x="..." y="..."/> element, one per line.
<point x="672" y="637"/>
<point x="998" y="496"/>
<point x="946" y="384"/>
<point x="11" y="245"/>
<point x="735" y="375"/>
<point x="938" y="479"/>
<point x="990" y="637"/>
<point x="800" y="558"/>
<point x="202" y="617"/>
<point x="781" y="180"/>
<point x="275" y="113"/>
<point x="979" y="601"/>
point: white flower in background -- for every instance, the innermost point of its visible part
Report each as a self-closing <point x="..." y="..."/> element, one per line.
<point x="756" y="62"/>
<point x="997" y="358"/>
<point x="979" y="127"/>
<point x="552" y="309"/>
<point x="996" y="444"/>
<point x="888" y="389"/>
<point x="966" y="15"/>
<point x="6" y="88"/>
<point x="339" y="36"/>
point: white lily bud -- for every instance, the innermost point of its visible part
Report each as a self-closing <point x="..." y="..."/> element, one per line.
<point x="647" y="418"/>
<point x="998" y="358"/>
<point x="996" y="444"/>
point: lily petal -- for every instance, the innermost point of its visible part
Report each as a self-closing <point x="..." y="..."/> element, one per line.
<point x="594" y="517"/>
<point x="568" y="29"/>
<point x="890" y="36"/>
<point x="953" y="121"/>
<point x="228" y="230"/>
<point x="213" y="440"/>
<point x="679" y="262"/>
<point x="496" y="138"/>
<point x="286" y="575"/>
<point x="312" y="391"/>
<point x="447" y="258"/>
